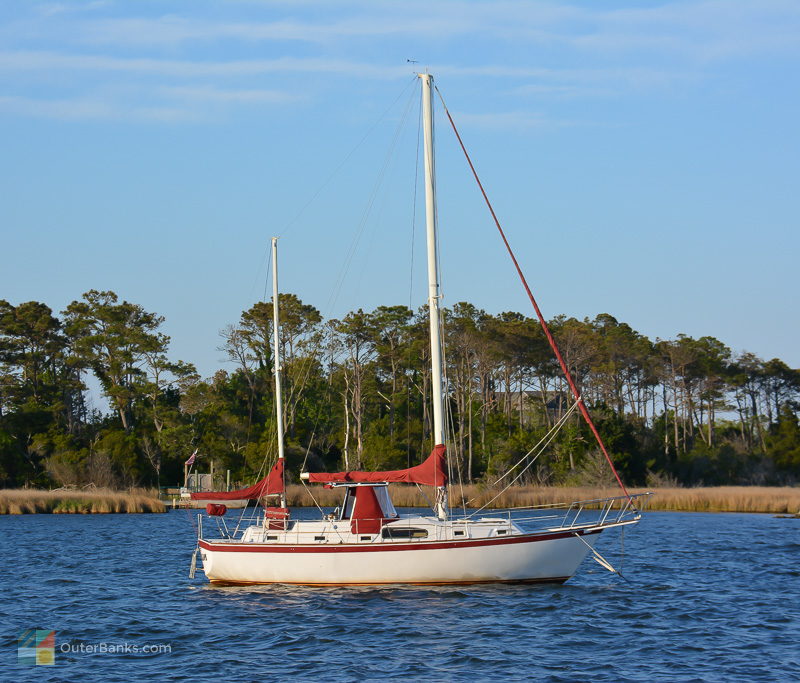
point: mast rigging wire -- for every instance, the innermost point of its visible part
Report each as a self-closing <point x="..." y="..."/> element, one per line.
<point x="582" y="407"/>
<point x="338" y="168"/>
<point x="362" y="224"/>
<point x="414" y="210"/>
<point x="544" y="442"/>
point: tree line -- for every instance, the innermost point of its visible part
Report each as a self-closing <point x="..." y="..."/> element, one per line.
<point x="683" y="411"/>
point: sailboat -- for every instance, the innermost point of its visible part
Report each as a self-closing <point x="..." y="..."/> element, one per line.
<point x="365" y="541"/>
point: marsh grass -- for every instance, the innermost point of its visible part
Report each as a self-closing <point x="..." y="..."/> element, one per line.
<point x="778" y="500"/>
<point x="96" y="501"/>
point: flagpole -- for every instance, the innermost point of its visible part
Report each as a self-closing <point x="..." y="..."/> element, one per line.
<point x="186" y="467"/>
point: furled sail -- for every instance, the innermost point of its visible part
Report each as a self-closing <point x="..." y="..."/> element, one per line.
<point x="432" y="472"/>
<point x="271" y="484"/>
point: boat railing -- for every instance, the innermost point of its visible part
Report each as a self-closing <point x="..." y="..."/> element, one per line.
<point x="582" y="514"/>
<point x="595" y="512"/>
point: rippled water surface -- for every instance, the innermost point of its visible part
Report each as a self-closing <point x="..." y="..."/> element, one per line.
<point x="707" y="597"/>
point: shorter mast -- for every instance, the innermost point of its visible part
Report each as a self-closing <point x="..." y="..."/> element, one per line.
<point x="276" y="359"/>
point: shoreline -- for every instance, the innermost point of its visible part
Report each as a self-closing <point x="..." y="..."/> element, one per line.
<point x="77" y="502"/>
<point x="779" y="500"/>
<point x="757" y="499"/>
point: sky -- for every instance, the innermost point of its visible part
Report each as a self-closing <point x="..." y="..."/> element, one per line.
<point x="643" y="158"/>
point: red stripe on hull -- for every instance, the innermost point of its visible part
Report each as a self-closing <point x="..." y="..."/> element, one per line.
<point x="386" y="547"/>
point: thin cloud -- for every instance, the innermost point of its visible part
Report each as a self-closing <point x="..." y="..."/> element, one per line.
<point x="714" y="29"/>
<point x="54" y="61"/>
<point x="513" y="120"/>
<point x="54" y="8"/>
<point x="700" y="30"/>
<point x="82" y="108"/>
<point x="369" y="20"/>
<point x="562" y="91"/>
<point x="572" y="83"/>
<point x="652" y="49"/>
<point x="218" y="95"/>
<point x="166" y="104"/>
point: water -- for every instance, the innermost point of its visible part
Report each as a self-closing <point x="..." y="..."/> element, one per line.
<point x="708" y="598"/>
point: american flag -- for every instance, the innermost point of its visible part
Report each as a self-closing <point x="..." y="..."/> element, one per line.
<point x="190" y="461"/>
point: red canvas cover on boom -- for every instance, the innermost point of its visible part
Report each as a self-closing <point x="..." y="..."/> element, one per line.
<point x="432" y="472"/>
<point x="272" y="483"/>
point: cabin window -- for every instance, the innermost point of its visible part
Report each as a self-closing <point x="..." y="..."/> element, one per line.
<point x="319" y="538"/>
<point x="272" y="538"/>
<point x="349" y="500"/>
<point x="458" y="533"/>
<point x="382" y="494"/>
<point x="366" y="538"/>
<point x="501" y="532"/>
<point x="403" y="532"/>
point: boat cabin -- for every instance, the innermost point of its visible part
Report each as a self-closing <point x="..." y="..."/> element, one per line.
<point x="367" y="506"/>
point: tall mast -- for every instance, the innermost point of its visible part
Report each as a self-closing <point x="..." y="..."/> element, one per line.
<point x="433" y="261"/>
<point x="277" y="358"/>
<point x="433" y="279"/>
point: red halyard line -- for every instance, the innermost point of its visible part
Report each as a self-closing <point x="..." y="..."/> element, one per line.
<point x="584" y="410"/>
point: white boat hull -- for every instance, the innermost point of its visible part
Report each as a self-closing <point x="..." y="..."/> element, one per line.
<point x="553" y="557"/>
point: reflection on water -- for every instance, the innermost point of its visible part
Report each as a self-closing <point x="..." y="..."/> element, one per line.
<point x="708" y="597"/>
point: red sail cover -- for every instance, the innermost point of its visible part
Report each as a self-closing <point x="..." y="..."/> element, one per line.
<point x="432" y="472"/>
<point x="367" y="517"/>
<point x="272" y="483"/>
